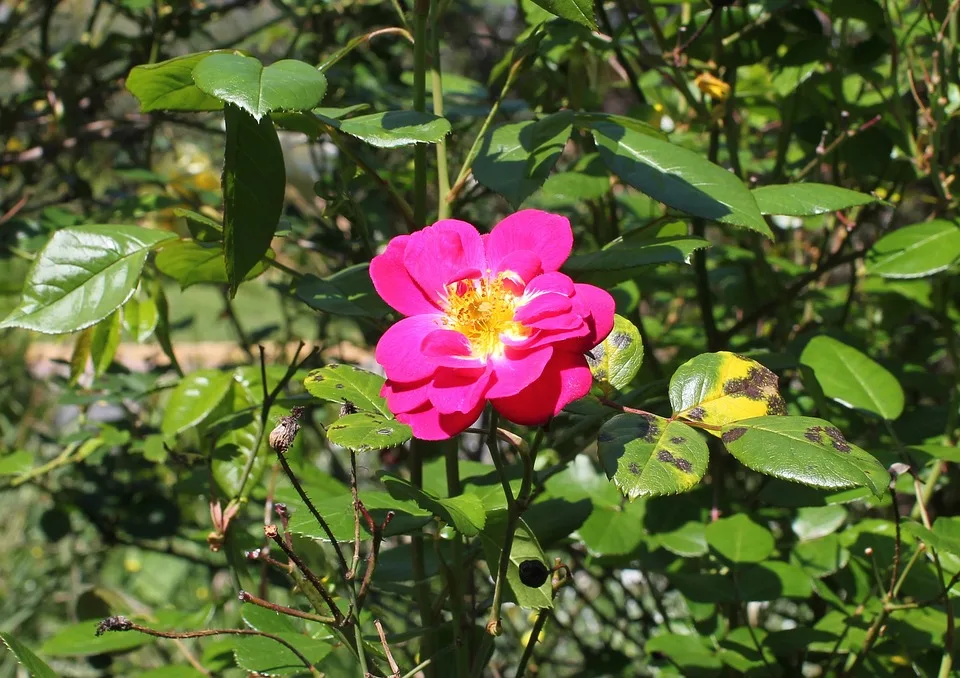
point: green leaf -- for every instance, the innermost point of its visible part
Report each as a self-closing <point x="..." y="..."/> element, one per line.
<point x="915" y="251"/>
<point x="392" y="129"/>
<point x="585" y="120"/>
<point x="739" y="539"/>
<point x="104" y="343"/>
<point x="190" y="262"/>
<point x="169" y="85"/>
<point x="194" y="398"/>
<point x="803" y="450"/>
<point x="31" y="662"/>
<point x="647" y="456"/>
<point x="588" y="179"/>
<point x="723" y="387"/>
<point x="80" y="640"/>
<point x="81" y="276"/>
<point x="236" y="425"/>
<point x="265" y="656"/>
<point x="853" y="379"/>
<point x="465" y="512"/>
<point x="525" y="547"/>
<point x="368" y="431"/>
<point x="688" y="541"/>
<point x="140" y="317"/>
<point x="254" y="182"/>
<point x="338" y="383"/>
<point x="346" y="292"/>
<point x="338" y="512"/>
<point x="814" y="522"/>
<point x="244" y="82"/>
<point x="578" y="11"/>
<point x="807" y="200"/>
<point x="80" y="355"/>
<point x="688" y="651"/>
<point x="15" y="463"/>
<point x="678" y="177"/>
<point x="268" y="621"/>
<point x="617" y="359"/>
<point x="821" y="557"/>
<point x="516" y="158"/>
<point x="944" y="537"/>
<point x="739" y="651"/>
<point x="623" y="258"/>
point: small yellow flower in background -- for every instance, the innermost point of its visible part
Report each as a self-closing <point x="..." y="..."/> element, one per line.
<point x="132" y="564"/>
<point x="202" y="593"/>
<point x="712" y="86"/>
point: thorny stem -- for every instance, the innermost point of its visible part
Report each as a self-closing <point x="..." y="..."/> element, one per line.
<point x="272" y="533"/>
<point x="356" y="516"/>
<point x="643" y="413"/>
<point x="282" y="609"/>
<point x="120" y="623"/>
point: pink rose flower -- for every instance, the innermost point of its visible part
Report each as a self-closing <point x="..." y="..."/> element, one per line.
<point x="488" y="317"/>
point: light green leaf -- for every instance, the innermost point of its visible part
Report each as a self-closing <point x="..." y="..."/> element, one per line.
<point x="338" y="512"/>
<point x="190" y="262"/>
<point x="804" y="450"/>
<point x="104" y="342"/>
<point x="465" y="512"/>
<point x="236" y="424"/>
<point x="81" y="276"/>
<point x="169" y="86"/>
<point x="688" y="651"/>
<point x="807" y="200"/>
<point x="578" y="11"/>
<point x="80" y="640"/>
<point x="814" y="522"/>
<point x="392" y="129"/>
<point x="338" y="383"/>
<point x="25" y="656"/>
<point x="915" y="251"/>
<point x="15" y="463"/>
<point x="244" y="82"/>
<point x="265" y="656"/>
<point x="678" y="177"/>
<point x="853" y="379"/>
<point x="516" y="158"/>
<point x="739" y="539"/>
<point x="254" y="182"/>
<point x="944" y="537"/>
<point x="268" y="621"/>
<point x="365" y="431"/>
<point x="588" y="179"/>
<point x="739" y="651"/>
<point x="649" y="456"/>
<point x="617" y="359"/>
<point x="525" y="547"/>
<point x="80" y="355"/>
<point x="194" y="398"/>
<point x="140" y="317"/>
<point x="821" y="557"/>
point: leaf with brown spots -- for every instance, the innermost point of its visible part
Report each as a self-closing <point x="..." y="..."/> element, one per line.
<point x="617" y="359"/>
<point x="646" y="455"/>
<point x="804" y="450"/>
<point x="367" y="431"/>
<point x="336" y="383"/>
<point x="721" y="388"/>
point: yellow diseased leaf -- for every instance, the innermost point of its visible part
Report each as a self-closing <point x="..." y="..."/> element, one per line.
<point x="722" y="388"/>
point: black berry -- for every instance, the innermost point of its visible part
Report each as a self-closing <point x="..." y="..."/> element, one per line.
<point x="533" y="573"/>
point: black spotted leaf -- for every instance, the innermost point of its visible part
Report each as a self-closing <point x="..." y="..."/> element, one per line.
<point x="338" y="383"/>
<point x="617" y="359"/>
<point x="363" y="431"/>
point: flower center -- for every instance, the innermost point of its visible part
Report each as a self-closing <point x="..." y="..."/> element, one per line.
<point x="482" y="310"/>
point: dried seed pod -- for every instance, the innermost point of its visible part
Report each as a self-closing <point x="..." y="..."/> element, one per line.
<point x="285" y="432"/>
<point x="348" y="408"/>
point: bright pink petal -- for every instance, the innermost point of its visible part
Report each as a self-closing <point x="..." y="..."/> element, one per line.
<point x="393" y="282"/>
<point x="522" y="265"/>
<point x="597" y="307"/>
<point x="565" y="379"/>
<point x="460" y="390"/>
<point x="558" y="283"/>
<point x="429" y="424"/>
<point x="572" y="337"/>
<point x="444" y="253"/>
<point x="517" y="369"/>
<point x="549" y="236"/>
<point x="405" y="397"/>
<point x="542" y="306"/>
<point x="449" y="349"/>
<point x="398" y="350"/>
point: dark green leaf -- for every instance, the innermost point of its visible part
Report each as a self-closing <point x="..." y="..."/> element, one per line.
<point x="739" y="539"/>
<point x="81" y="276"/>
<point x="688" y="651"/>
<point x="578" y="11"/>
<point x="915" y="251"/>
<point x="623" y="258"/>
<point x="190" y="262"/>
<point x="25" y="656"/>
<point x="268" y="657"/>
<point x="365" y="431"/>
<point x="268" y="621"/>
<point x="525" y="547"/>
<point x="346" y="292"/>
<point x="516" y="158"/>
<point x="852" y="379"/>
<point x="617" y="359"/>
<point x="254" y="182"/>
<point x="678" y="177"/>
<point x="244" y="82"/>
<point x="807" y="200"/>
<point x="169" y="85"/>
<point x="80" y="640"/>
<point x="465" y="512"/>
<point x="236" y="424"/>
<point x="649" y="456"/>
<point x="194" y="398"/>
<point x="804" y="450"/>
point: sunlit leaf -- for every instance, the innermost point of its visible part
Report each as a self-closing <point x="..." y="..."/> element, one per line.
<point x="617" y="359"/>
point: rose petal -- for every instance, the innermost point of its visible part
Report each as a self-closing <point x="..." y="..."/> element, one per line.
<point x="542" y="306"/>
<point x="398" y="350"/>
<point x="460" y="390"/>
<point x="517" y="369"/>
<point x="565" y="379"/>
<point x="444" y="253"/>
<point x="597" y="307"/>
<point x="449" y="349"/>
<point x="405" y="397"/>
<point x="555" y="282"/>
<point x="520" y="266"/>
<point x="549" y="236"/>
<point x="428" y="423"/>
<point x="394" y="284"/>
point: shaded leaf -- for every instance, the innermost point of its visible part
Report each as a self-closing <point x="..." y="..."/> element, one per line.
<point x="804" y="450"/>
<point x="81" y="355"/>
<point x="688" y="651"/>
<point x="814" y="522"/>
<point x="649" y="456"/>
<point x="82" y="275"/>
<point x="853" y="379"/>
<point x="525" y="547"/>
<point x="821" y="557"/>
<point x="104" y="343"/>
<point x="346" y="292"/>
<point x="190" y="262"/>
<point x="807" y="200"/>
<point x="624" y="257"/>
<point x="338" y="512"/>
<point x="465" y="512"/>
<point x="80" y="640"/>
<point x="265" y="656"/>
<point x="915" y="251"/>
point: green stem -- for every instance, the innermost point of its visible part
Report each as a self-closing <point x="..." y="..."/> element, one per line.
<point x="417" y="448"/>
<point x="421" y="12"/>
<point x="542" y="617"/>
<point x="361" y="654"/>
<point x="460" y="568"/>
<point x="443" y="173"/>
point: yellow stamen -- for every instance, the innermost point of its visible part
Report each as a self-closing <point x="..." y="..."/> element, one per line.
<point x="482" y="311"/>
